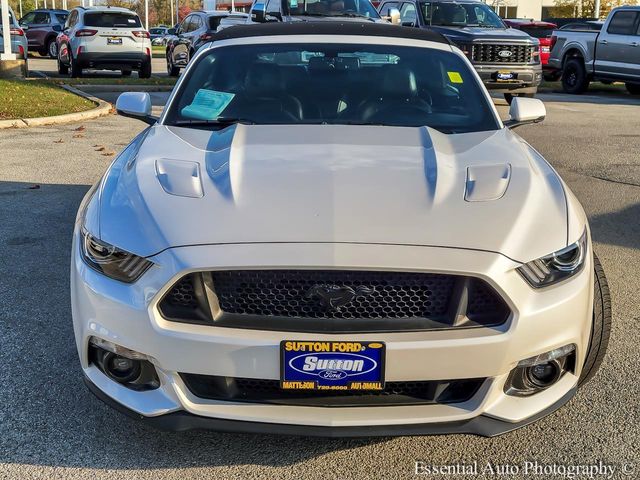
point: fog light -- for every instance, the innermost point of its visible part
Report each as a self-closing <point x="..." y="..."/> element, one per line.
<point x="543" y="375"/>
<point x="121" y="369"/>
<point x="131" y="369"/>
<point x="538" y="373"/>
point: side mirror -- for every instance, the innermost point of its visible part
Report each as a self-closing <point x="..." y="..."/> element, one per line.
<point x="259" y="13"/>
<point x="524" y="111"/>
<point x="394" y="16"/>
<point x="135" y="105"/>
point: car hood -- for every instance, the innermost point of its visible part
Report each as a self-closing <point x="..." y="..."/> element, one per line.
<point x="332" y="183"/>
<point x="469" y="34"/>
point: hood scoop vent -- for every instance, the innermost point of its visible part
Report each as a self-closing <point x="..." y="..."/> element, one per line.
<point x="487" y="182"/>
<point x="179" y="177"/>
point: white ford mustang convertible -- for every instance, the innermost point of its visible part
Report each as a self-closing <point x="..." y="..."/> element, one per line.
<point x="330" y="231"/>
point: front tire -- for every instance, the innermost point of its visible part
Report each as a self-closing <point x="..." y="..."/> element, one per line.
<point x="633" y="88"/>
<point x="510" y="96"/>
<point x="601" y="326"/>
<point x="574" y="77"/>
<point x="52" y="48"/>
<point x="171" y="70"/>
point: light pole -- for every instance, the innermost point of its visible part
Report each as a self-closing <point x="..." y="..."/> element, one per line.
<point x="146" y="15"/>
<point x="596" y="9"/>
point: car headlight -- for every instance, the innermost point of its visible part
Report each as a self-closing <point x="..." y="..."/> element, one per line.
<point x="557" y="266"/>
<point x="112" y="261"/>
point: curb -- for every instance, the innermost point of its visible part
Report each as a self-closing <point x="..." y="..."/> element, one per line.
<point x="103" y="108"/>
<point x="124" y="88"/>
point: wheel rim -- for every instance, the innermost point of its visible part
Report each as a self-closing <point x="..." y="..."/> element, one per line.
<point x="572" y="78"/>
<point x="53" y="49"/>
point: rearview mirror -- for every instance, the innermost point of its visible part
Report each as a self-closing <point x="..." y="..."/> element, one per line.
<point x="394" y="16"/>
<point x="524" y="111"/>
<point x="259" y="13"/>
<point x="135" y="105"/>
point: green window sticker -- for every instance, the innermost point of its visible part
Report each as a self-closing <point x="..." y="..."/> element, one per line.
<point x="207" y="104"/>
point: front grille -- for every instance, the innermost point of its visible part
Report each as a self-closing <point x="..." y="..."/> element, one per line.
<point x="268" y="391"/>
<point x="333" y="301"/>
<point x="490" y="53"/>
<point x="288" y="293"/>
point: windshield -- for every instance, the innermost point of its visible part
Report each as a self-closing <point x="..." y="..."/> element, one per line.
<point x="112" y="19"/>
<point x="452" y="14"/>
<point x="333" y="8"/>
<point x="344" y="84"/>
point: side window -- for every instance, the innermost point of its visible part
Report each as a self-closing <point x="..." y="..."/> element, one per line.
<point x="623" y="23"/>
<point x="41" y="18"/>
<point x="384" y="11"/>
<point x="28" y="18"/>
<point x="196" y="23"/>
<point x="273" y="6"/>
<point x="408" y="15"/>
<point x="184" y="26"/>
<point x="73" y="19"/>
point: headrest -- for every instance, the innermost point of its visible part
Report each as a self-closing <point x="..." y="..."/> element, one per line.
<point x="399" y="82"/>
<point x="263" y="78"/>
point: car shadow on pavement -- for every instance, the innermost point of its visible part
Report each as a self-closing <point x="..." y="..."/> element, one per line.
<point x="620" y="227"/>
<point x="48" y="416"/>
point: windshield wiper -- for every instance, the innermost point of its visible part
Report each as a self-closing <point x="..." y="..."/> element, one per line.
<point x="220" y="121"/>
<point x="351" y="15"/>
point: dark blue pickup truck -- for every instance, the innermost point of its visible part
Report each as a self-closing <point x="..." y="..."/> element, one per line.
<point x="507" y="59"/>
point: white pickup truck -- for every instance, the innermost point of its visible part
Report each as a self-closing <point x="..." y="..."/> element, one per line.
<point x="613" y="54"/>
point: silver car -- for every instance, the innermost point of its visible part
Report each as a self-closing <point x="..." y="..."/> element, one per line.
<point x="18" y="38"/>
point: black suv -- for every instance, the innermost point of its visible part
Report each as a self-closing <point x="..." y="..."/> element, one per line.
<point x="194" y="31"/>
<point x="507" y="59"/>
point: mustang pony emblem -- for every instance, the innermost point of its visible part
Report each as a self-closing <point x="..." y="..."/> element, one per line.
<point x="333" y="297"/>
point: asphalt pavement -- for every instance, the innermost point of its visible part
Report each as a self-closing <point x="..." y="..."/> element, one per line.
<point x="52" y="427"/>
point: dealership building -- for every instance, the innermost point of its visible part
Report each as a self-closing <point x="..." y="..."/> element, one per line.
<point x="534" y="9"/>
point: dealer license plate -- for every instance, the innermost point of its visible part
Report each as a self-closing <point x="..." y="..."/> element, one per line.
<point x="114" y="41"/>
<point x="317" y="365"/>
<point x="502" y="76"/>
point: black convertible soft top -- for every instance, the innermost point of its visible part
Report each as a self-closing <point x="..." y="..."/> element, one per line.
<point x="328" y="28"/>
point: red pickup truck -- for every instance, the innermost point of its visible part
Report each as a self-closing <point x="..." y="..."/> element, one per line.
<point x="542" y="31"/>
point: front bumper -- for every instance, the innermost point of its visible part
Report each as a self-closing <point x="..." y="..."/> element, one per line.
<point x="527" y="77"/>
<point x="128" y="315"/>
